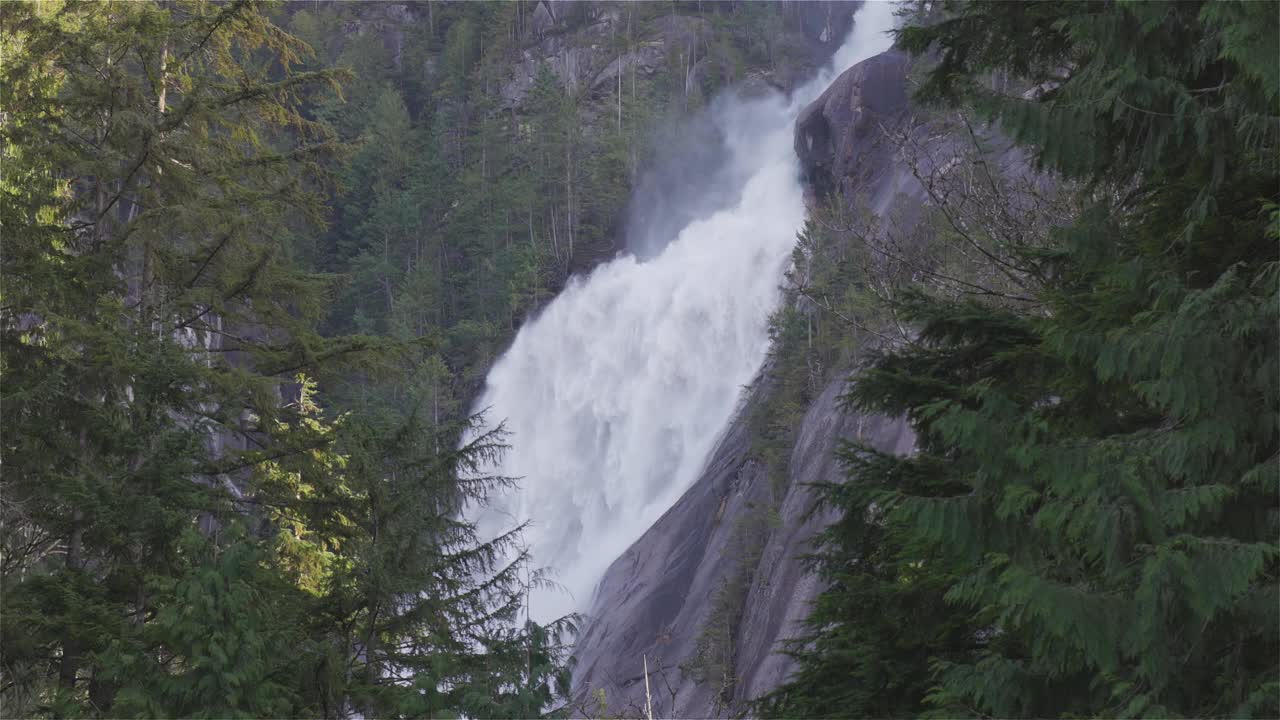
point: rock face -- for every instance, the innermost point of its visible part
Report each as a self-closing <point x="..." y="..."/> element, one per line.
<point x="862" y="138"/>
<point x="578" y="41"/>
<point x="656" y="601"/>
<point x="607" y="54"/>
<point x="782" y="591"/>
<point x="656" y="598"/>
<point x="840" y="138"/>
<point x="388" y="21"/>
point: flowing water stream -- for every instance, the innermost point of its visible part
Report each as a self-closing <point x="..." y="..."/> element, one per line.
<point x="616" y="393"/>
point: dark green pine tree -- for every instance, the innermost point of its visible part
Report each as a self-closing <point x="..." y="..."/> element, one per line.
<point x="214" y="638"/>
<point x="176" y="538"/>
<point x="1096" y="483"/>
<point x="148" y="306"/>
<point x="872" y="635"/>
<point x="409" y="612"/>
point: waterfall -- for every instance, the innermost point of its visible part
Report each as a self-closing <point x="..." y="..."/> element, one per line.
<point x="616" y="392"/>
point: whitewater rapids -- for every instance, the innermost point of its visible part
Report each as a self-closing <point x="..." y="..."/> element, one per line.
<point x="615" y="394"/>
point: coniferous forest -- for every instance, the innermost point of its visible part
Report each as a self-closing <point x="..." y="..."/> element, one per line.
<point x="256" y="260"/>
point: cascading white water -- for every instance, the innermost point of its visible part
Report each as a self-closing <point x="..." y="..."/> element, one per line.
<point x="615" y="394"/>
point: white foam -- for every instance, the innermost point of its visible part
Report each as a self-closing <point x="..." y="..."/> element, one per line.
<point x="617" y="391"/>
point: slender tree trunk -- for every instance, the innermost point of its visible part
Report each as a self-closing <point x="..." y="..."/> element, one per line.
<point x="386" y="277"/>
<point x="370" y="664"/>
<point x="613" y="36"/>
<point x="555" y="239"/>
<point x="568" y="184"/>
<point x="148" y="266"/>
<point x="371" y="668"/>
<point x="69" y="665"/>
<point x="435" y="405"/>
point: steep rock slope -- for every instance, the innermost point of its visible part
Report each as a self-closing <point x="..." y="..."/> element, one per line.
<point x="656" y="599"/>
<point x="709" y="592"/>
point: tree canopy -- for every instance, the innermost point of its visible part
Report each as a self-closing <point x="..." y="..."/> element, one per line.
<point x="1090" y="525"/>
<point x="186" y="530"/>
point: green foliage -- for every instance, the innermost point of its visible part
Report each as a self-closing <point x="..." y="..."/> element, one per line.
<point x="809" y="344"/>
<point x="184" y="532"/>
<point x="461" y="210"/>
<point x="1168" y="90"/>
<point x="456" y="216"/>
<point x="129" y="264"/>
<point x="811" y="340"/>
<point x="220" y="625"/>
<point x="1093" y="499"/>
<point x="872" y="635"/>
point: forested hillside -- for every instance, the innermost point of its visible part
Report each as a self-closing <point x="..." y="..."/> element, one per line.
<point x="187" y="531"/>
<point x="257" y="258"/>
<point x="493" y="147"/>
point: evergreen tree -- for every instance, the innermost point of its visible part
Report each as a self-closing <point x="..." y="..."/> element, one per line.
<point x="175" y="511"/>
<point x="212" y="647"/>
<point x="1096" y="483"/>
<point x="370" y="532"/>
<point x="150" y="251"/>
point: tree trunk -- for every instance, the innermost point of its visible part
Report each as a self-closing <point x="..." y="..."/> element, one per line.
<point x="568" y="184"/>
<point x="72" y="647"/>
<point x="69" y="665"/>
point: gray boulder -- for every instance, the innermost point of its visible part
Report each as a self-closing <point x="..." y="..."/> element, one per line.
<point x="843" y="137"/>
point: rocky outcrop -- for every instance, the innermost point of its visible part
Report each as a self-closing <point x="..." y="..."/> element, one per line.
<point x="782" y="590"/>
<point x="388" y="21"/>
<point x="842" y="138"/>
<point x="581" y="43"/>
<point x="862" y="138"/>
<point x="654" y="598"/>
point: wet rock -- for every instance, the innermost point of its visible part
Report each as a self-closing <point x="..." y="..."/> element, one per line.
<point x="826" y="22"/>
<point x="782" y="591"/>
<point x="652" y="600"/>
<point x="683" y="30"/>
<point x="843" y="138"/>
